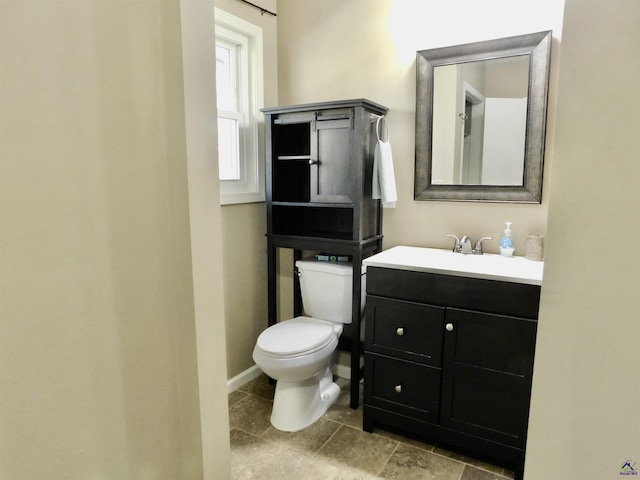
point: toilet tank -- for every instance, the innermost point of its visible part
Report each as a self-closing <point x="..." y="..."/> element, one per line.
<point x="326" y="289"/>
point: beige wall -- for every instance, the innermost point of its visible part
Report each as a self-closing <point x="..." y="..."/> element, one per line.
<point x="99" y="302"/>
<point x="205" y="222"/>
<point x="244" y="226"/>
<point x="586" y="386"/>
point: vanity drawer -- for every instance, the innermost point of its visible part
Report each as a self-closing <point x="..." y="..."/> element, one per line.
<point x="407" y="330"/>
<point x="506" y="298"/>
<point x="404" y="387"/>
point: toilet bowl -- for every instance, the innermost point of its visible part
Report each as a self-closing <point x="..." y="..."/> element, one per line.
<point x="302" y="368"/>
<point x="299" y="353"/>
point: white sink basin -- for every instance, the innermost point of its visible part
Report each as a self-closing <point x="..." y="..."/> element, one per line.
<point x="434" y="260"/>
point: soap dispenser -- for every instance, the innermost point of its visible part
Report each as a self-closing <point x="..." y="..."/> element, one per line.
<point x="506" y="244"/>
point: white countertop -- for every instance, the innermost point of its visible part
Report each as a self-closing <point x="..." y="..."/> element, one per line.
<point x="434" y="260"/>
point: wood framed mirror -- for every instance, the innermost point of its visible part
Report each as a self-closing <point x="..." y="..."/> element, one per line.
<point x="480" y="120"/>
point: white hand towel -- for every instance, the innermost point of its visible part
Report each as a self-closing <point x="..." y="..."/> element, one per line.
<point x="384" y="180"/>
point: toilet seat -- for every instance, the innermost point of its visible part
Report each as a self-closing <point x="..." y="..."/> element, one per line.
<point x="295" y="337"/>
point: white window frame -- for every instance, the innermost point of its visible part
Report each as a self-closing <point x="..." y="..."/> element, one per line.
<point x="250" y="186"/>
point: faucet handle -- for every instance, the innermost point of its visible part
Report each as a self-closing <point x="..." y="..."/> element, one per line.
<point x="478" y="248"/>
<point x="457" y="247"/>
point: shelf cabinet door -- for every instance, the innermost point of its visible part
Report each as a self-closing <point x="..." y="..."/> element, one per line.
<point x="332" y="172"/>
<point x="487" y="370"/>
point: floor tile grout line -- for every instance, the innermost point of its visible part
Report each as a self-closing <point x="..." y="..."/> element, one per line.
<point x="395" y="448"/>
<point x="410" y="444"/>
<point x="245" y="395"/>
<point x="470" y="465"/>
<point x="315" y="454"/>
<point x="250" y="434"/>
<point x="464" y="467"/>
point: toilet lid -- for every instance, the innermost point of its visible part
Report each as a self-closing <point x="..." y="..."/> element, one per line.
<point x="295" y="336"/>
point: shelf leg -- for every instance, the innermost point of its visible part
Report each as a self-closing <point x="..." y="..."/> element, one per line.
<point x="356" y="315"/>
<point x="272" y="290"/>
<point x="297" y="295"/>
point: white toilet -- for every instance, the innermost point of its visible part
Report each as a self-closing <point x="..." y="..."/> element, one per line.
<point x="299" y="353"/>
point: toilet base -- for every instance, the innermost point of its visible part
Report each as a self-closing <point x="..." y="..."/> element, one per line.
<point x="296" y="405"/>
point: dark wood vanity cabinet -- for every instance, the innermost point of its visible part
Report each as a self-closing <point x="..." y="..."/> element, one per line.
<point x="450" y="359"/>
<point x="319" y="172"/>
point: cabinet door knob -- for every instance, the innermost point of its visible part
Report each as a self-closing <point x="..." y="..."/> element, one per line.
<point x="449" y="327"/>
<point x="400" y="331"/>
<point x="398" y="388"/>
<point x="313" y="162"/>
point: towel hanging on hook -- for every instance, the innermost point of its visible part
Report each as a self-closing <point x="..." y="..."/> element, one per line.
<point x="384" y="181"/>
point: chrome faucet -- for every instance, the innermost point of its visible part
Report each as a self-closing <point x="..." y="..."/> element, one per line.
<point x="463" y="245"/>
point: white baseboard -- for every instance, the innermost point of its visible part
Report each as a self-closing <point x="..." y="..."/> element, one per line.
<point x="233" y="384"/>
<point x="243" y="378"/>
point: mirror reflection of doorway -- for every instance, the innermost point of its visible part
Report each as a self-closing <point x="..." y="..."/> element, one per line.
<point x="504" y="134"/>
<point x="473" y="137"/>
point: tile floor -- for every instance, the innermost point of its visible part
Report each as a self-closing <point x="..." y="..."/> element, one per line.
<point x="335" y="447"/>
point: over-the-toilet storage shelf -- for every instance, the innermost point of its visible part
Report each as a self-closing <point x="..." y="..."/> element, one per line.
<point x="319" y="168"/>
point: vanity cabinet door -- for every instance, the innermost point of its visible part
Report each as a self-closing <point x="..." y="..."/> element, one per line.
<point x="487" y="370"/>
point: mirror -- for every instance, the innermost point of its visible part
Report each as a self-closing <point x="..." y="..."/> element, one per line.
<point x="480" y="120"/>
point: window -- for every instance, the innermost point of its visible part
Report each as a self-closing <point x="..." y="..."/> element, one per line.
<point x="239" y="97"/>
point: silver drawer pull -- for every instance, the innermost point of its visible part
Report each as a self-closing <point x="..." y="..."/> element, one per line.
<point x="400" y="331"/>
<point x="449" y="327"/>
<point x="398" y="389"/>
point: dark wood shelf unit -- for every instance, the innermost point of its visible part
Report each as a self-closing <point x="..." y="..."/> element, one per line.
<point x="319" y="169"/>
